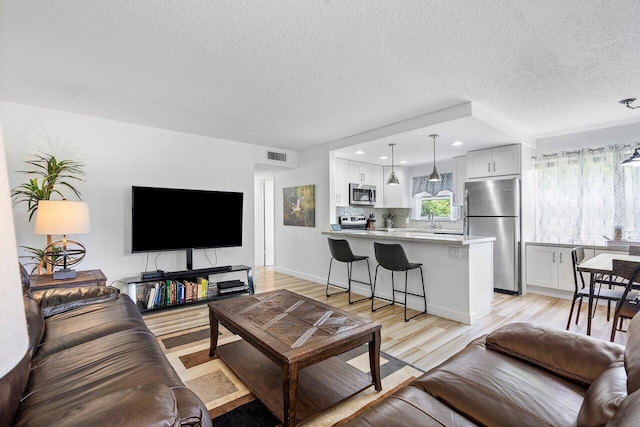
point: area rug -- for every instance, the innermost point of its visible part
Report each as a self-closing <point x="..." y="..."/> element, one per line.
<point x="230" y="403"/>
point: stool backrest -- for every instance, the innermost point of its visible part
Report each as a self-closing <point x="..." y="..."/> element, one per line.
<point x="340" y="250"/>
<point x="391" y="256"/>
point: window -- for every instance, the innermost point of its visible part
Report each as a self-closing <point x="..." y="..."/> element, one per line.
<point x="439" y="206"/>
<point x="580" y="196"/>
<point x="425" y="204"/>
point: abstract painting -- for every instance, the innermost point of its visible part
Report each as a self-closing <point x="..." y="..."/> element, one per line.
<point x="299" y="206"/>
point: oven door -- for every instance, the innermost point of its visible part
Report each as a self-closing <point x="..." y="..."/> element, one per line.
<point x="362" y="194"/>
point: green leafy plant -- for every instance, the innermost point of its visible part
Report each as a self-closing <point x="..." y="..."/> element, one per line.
<point x="52" y="176"/>
<point x="36" y="257"/>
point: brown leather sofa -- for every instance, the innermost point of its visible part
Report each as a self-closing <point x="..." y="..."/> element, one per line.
<point x="92" y="361"/>
<point x="523" y="375"/>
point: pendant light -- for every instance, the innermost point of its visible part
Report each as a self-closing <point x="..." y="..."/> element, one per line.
<point x="435" y="176"/>
<point x="393" y="179"/>
<point x="634" y="160"/>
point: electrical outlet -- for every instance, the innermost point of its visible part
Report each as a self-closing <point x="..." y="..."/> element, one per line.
<point x="454" y="252"/>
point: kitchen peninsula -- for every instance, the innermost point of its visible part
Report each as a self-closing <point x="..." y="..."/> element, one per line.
<point x="458" y="270"/>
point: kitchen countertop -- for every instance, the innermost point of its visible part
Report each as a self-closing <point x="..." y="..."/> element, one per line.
<point x="413" y="236"/>
<point x="573" y="245"/>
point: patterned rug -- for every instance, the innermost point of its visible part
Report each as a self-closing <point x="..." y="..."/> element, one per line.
<point x="230" y="403"/>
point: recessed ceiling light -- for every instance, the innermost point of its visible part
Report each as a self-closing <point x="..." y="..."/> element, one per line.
<point x="359" y="152"/>
<point x="383" y="157"/>
<point x="403" y="162"/>
<point x="457" y="143"/>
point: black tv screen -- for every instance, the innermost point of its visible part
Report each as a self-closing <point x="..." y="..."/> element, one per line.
<point x="165" y="219"/>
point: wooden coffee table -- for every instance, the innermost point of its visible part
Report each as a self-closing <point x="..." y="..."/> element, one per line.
<point x="287" y="358"/>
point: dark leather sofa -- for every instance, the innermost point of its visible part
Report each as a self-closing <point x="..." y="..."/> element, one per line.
<point x="93" y="361"/>
<point x="523" y="375"/>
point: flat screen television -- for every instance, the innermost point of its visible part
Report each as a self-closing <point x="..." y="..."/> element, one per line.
<point x="167" y="219"/>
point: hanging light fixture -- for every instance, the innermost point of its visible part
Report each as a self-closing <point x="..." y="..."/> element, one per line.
<point x="435" y="176"/>
<point x="634" y="160"/>
<point x="393" y="179"/>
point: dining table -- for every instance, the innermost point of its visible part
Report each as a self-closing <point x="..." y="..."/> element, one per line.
<point x="601" y="265"/>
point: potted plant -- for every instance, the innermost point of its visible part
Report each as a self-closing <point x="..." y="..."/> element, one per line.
<point x="52" y="177"/>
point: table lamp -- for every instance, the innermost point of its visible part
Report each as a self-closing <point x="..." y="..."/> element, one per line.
<point x="63" y="217"/>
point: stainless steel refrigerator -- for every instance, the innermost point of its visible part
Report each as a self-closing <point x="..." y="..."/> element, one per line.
<point x="492" y="208"/>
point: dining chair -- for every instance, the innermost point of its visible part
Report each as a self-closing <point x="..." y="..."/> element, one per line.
<point x="341" y="251"/>
<point x="628" y="306"/>
<point x="581" y="290"/>
<point x="392" y="257"/>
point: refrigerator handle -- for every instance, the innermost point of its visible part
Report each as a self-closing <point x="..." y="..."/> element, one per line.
<point x="465" y="203"/>
<point x="465" y="226"/>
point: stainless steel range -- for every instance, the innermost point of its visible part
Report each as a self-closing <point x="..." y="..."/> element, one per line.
<point x="353" y="222"/>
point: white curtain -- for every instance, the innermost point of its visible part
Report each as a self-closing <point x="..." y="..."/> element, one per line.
<point x="582" y="195"/>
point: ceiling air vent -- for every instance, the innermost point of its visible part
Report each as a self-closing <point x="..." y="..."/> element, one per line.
<point x="279" y="157"/>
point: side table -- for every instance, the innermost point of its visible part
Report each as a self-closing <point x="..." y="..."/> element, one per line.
<point x="83" y="278"/>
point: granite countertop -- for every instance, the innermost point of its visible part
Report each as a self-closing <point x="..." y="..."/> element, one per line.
<point x="413" y="236"/>
<point x="590" y="246"/>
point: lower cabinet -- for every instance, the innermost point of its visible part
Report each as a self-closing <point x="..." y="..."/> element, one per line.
<point x="551" y="267"/>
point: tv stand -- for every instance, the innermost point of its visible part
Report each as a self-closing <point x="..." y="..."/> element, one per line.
<point x="176" y="290"/>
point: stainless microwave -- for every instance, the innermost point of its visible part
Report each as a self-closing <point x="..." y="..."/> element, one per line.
<point x="360" y="194"/>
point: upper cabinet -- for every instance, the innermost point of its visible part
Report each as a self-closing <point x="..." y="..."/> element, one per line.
<point x="379" y="180"/>
<point x="361" y="173"/>
<point x="459" y="178"/>
<point x="341" y="182"/>
<point x="397" y="196"/>
<point x="494" y="162"/>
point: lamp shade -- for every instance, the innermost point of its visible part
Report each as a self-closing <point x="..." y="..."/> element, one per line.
<point x="634" y="160"/>
<point x="62" y="217"/>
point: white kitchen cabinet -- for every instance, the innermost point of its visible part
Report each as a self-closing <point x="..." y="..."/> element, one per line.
<point x="361" y="173"/>
<point x="459" y="178"/>
<point x="397" y="196"/>
<point x="341" y="182"/>
<point x="551" y="267"/>
<point x="496" y="161"/>
<point x="379" y="181"/>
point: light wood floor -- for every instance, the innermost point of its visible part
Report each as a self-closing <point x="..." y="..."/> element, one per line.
<point x="428" y="340"/>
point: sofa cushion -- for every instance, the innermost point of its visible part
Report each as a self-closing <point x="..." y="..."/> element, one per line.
<point x="628" y="413"/>
<point x="409" y="406"/>
<point x="604" y="396"/>
<point x="76" y="376"/>
<point x="59" y="300"/>
<point x="71" y="328"/>
<point x="632" y="356"/>
<point x="495" y="389"/>
<point x="150" y="405"/>
<point x="571" y="355"/>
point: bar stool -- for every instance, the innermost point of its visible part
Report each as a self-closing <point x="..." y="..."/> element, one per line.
<point x="341" y="251"/>
<point x="392" y="257"/>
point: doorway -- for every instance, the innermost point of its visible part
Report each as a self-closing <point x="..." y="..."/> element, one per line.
<point x="264" y="217"/>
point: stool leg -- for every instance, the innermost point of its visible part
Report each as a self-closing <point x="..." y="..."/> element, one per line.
<point x="350" y="272"/>
<point x="328" y="277"/>
<point x="373" y="292"/>
<point x="424" y="295"/>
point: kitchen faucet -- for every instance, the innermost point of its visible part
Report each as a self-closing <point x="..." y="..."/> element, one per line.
<point x="431" y="218"/>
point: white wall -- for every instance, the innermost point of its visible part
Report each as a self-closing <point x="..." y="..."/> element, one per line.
<point x="303" y="251"/>
<point x="13" y="333"/>
<point x="118" y="155"/>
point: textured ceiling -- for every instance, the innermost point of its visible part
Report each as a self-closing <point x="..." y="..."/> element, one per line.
<point x="293" y="74"/>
